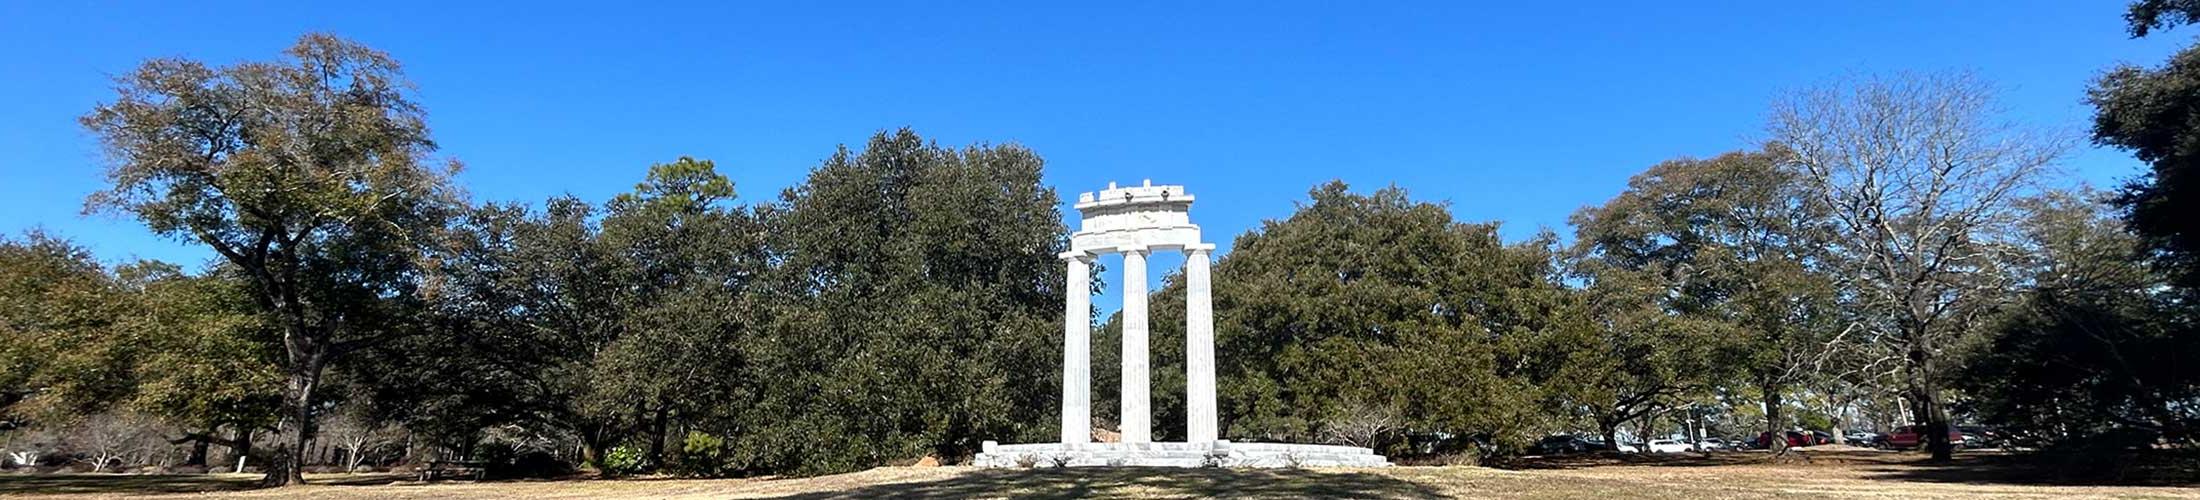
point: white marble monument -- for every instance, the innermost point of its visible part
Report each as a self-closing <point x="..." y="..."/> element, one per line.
<point x="1136" y="221"/>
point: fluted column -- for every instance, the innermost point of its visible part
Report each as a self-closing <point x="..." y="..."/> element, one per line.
<point x="1077" y="351"/>
<point x="1199" y="348"/>
<point x="1137" y="405"/>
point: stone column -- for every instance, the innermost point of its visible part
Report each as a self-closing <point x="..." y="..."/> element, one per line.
<point x="1137" y="405"/>
<point x="1077" y="351"/>
<point x="1199" y="347"/>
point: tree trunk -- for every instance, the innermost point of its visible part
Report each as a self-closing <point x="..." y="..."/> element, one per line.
<point x="1610" y="431"/>
<point x="657" y="440"/>
<point x="1775" y="421"/>
<point x="592" y="454"/>
<point x="593" y="439"/>
<point x="244" y="445"/>
<point x="287" y="466"/>
<point x="1702" y="432"/>
<point x="1833" y="412"/>
<point x="198" y="453"/>
<point x="1936" y="424"/>
<point x="1925" y="389"/>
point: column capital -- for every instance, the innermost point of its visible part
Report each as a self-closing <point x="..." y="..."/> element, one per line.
<point x="1137" y="249"/>
<point x="1076" y="255"/>
<point x="1199" y="249"/>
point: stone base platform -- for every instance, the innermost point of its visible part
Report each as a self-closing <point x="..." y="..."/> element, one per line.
<point x="1214" y="454"/>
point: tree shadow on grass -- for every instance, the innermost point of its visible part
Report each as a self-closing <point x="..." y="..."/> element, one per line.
<point x="1607" y="458"/>
<point x="1143" y="481"/>
<point x="120" y="484"/>
<point x="1983" y="467"/>
<point x="2042" y="470"/>
<point x="155" y="484"/>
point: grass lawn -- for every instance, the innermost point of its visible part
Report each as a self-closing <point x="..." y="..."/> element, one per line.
<point x="1848" y="474"/>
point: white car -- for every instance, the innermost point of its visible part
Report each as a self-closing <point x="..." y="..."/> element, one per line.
<point x="1668" y="446"/>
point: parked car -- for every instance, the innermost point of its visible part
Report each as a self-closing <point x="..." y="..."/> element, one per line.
<point x="1714" y="444"/>
<point x="1668" y="446"/>
<point x="1912" y="437"/>
<point x="1563" y="444"/>
<point x="1622" y="447"/>
<point x="1791" y="438"/>
<point x="1763" y="440"/>
<point x="1980" y="437"/>
<point x="1866" y="439"/>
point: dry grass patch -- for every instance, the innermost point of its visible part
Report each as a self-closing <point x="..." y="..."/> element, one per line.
<point x="1843" y="474"/>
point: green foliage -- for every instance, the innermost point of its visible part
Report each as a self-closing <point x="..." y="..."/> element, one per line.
<point x="520" y="302"/>
<point x="915" y="309"/>
<point x="1814" y="420"/>
<point x="604" y="328"/>
<point x="2155" y="114"/>
<point x="686" y="185"/>
<point x="1371" y="304"/>
<point x="209" y="359"/>
<point x="64" y="349"/>
<point x="140" y="339"/>
<point x="625" y="460"/>
<point x="1702" y="274"/>
<point x="703" y="455"/>
<point x="899" y="303"/>
<point x="2146" y="16"/>
<point x="692" y="266"/>
<point x="309" y="175"/>
<point x="2097" y="347"/>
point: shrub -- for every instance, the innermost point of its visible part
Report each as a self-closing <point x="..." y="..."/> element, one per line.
<point x="703" y="455"/>
<point x="624" y="460"/>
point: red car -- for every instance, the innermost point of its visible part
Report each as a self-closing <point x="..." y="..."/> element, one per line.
<point x="1913" y="436"/>
<point x="1794" y="439"/>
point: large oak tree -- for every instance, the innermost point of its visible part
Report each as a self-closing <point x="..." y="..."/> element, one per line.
<point x="1708" y="264"/>
<point x="1361" y="318"/>
<point x="310" y="174"/>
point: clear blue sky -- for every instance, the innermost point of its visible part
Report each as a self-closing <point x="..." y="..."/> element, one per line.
<point x="1515" y="113"/>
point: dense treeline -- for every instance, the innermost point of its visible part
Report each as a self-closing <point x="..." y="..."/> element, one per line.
<point x="1895" y="254"/>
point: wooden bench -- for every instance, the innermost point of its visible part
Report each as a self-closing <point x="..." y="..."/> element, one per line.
<point x="449" y="470"/>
